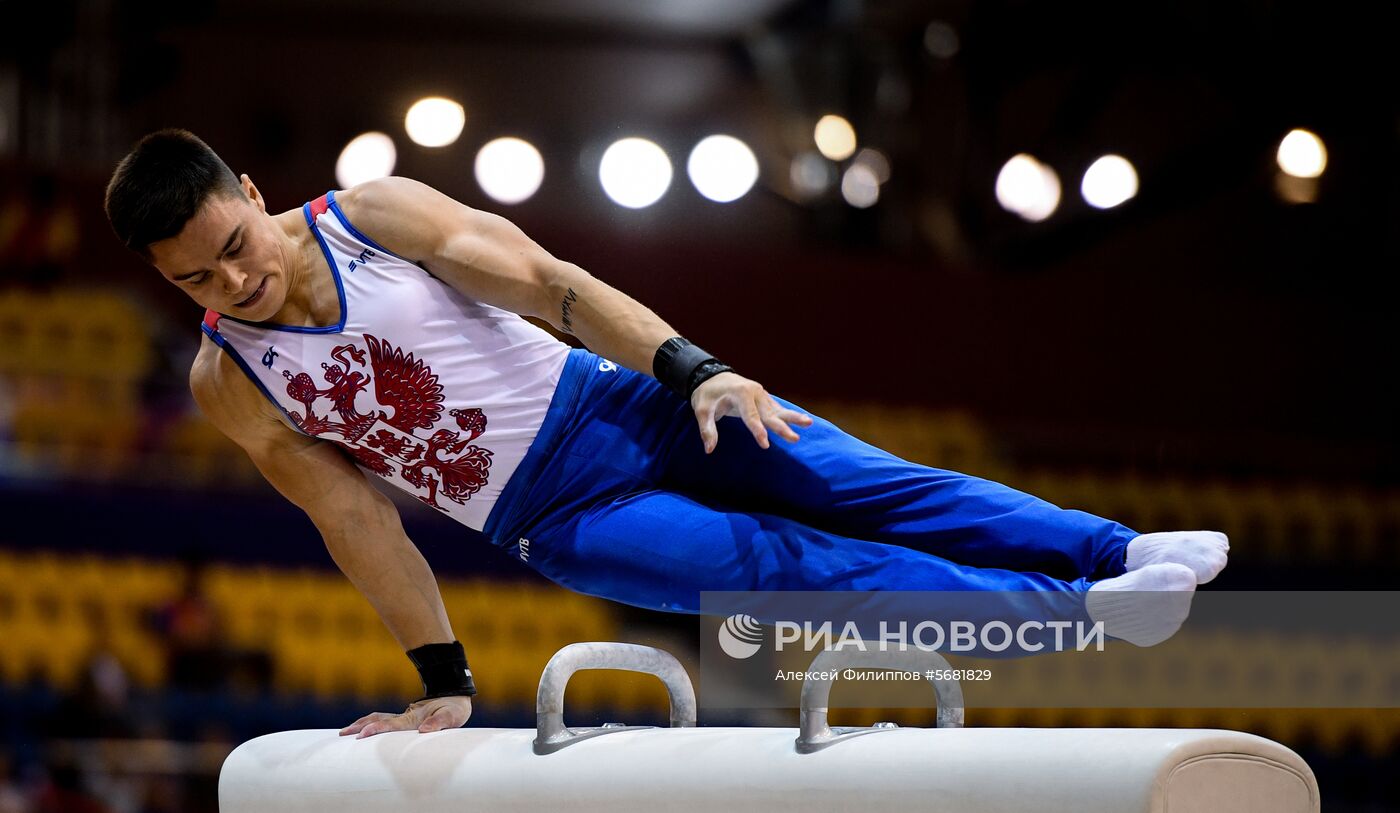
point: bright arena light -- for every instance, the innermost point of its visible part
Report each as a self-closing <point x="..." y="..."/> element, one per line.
<point x="860" y="186"/>
<point x="941" y="40"/>
<point x="635" y="173"/>
<point x="434" y="121"/>
<point x="811" y="174"/>
<point x="509" y="170"/>
<point x="1028" y="188"/>
<point x="366" y="157"/>
<point x="876" y="161"/>
<point x="1109" y="181"/>
<point x="1302" y="154"/>
<point x="835" y="137"/>
<point x="723" y="168"/>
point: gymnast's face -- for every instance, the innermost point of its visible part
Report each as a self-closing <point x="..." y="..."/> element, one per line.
<point x="229" y="256"/>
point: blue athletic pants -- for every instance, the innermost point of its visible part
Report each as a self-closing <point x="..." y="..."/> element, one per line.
<point x="616" y="498"/>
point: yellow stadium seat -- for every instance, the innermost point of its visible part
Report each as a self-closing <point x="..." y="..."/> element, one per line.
<point x="1264" y="530"/>
<point x="141" y="654"/>
<point x="16" y="324"/>
<point x="110" y="339"/>
<point x="203" y="454"/>
<point x="66" y="648"/>
<point x="329" y="673"/>
<point x="394" y="677"/>
<point x="85" y="439"/>
<point x="86" y="575"/>
<point x="40" y="346"/>
<point x="293" y="661"/>
<point x="227" y="587"/>
<point x="351" y="619"/>
<point x="24" y="653"/>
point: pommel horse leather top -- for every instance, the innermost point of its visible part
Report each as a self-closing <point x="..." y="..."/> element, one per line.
<point x="736" y="770"/>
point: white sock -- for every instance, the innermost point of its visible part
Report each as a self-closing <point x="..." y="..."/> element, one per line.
<point x="1145" y="606"/>
<point x="1202" y="551"/>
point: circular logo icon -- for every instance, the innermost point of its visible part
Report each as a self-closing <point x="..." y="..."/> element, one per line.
<point x="740" y="636"/>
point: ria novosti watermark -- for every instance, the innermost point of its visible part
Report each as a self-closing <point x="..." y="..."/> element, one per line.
<point x="1304" y="649"/>
<point x="741" y="635"/>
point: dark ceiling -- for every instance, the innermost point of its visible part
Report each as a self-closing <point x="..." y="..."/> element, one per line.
<point x="1206" y="301"/>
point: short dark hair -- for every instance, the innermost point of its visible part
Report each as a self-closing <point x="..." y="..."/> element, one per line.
<point x="161" y="184"/>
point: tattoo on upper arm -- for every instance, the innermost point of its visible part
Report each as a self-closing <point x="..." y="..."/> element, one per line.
<point x="569" y="299"/>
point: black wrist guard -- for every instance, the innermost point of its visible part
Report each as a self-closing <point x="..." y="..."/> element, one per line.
<point x="706" y="370"/>
<point x="682" y="366"/>
<point x="443" y="670"/>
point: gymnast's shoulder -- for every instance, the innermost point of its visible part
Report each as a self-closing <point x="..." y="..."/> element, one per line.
<point x="228" y="398"/>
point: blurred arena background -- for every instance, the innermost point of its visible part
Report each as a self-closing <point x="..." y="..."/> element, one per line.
<point x="922" y="245"/>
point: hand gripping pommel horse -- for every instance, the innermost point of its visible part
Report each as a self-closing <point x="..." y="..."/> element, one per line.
<point x="813" y="768"/>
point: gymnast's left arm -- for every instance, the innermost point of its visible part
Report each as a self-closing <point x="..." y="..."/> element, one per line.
<point x="488" y="258"/>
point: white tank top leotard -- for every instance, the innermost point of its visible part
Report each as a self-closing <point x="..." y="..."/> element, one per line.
<point x="435" y="392"/>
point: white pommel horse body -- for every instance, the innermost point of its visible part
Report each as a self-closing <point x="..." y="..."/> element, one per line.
<point x="814" y="768"/>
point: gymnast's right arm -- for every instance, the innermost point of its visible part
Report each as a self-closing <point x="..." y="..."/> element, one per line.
<point x="360" y="526"/>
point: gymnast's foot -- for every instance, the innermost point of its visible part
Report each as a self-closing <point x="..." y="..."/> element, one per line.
<point x="1144" y="606"/>
<point x="1202" y="551"/>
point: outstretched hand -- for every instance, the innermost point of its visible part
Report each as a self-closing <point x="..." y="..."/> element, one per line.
<point x="732" y="394"/>
<point x="425" y="716"/>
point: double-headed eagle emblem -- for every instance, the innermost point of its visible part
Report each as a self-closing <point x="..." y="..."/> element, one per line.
<point x="382" y="440"/>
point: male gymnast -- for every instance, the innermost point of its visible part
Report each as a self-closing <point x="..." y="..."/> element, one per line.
<point x="378" y="329"/>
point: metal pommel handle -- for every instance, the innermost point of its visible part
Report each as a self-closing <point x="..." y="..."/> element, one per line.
<point x="815" y="734"/>
<point x="551" y="734"/>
